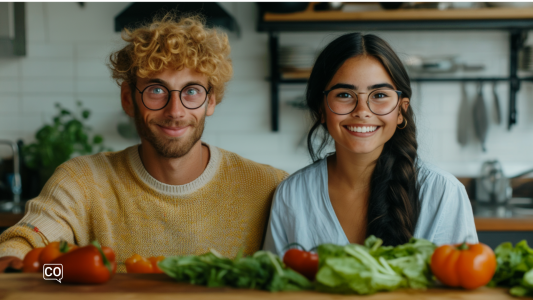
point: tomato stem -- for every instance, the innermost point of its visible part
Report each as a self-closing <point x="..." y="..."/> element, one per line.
<point x="463" y="246"/>
<point x="63" y="246"/>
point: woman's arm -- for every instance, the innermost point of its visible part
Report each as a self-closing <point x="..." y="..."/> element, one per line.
<point x="446" y="216"/>
<point x="276" y="237"/>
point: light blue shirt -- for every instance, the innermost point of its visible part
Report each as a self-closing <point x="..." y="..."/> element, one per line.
<point x="302" y="211"/>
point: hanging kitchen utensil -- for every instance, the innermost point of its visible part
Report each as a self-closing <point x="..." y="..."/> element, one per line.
<point x="481" y="124"/>
<point x="497" y="110"/>
<point x="463" y="117"/>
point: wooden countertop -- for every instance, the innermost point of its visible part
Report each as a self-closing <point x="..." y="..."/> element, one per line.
<point x="160" y="286"/>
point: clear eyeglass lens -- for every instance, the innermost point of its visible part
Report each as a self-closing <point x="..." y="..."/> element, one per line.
<point x="193" y="96"/>
<point x="344" y="101"/>
<point x="155" y="96"/>
<point x="382" y="101"/>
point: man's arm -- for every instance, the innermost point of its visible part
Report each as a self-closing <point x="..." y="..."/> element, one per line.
<point x="56" y="214"/>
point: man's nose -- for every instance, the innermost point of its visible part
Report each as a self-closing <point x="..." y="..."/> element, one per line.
<point x="175" y="108"/>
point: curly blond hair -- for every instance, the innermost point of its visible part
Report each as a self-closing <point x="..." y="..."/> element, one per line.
<point x="174" y="43"/>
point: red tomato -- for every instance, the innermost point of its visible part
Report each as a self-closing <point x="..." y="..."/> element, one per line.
<point x="138" y="264"/>
<point x="154" y="261"/>
<point x="303" y="262"/>
<point x="31" y="261"/>
<point x="468" y="265"/>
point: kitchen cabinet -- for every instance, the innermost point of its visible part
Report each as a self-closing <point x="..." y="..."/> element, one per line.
<point x="516" y="21"/>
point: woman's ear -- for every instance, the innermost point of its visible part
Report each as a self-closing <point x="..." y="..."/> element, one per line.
<point x="404" y="105"/>
<point x="126" y="99"/>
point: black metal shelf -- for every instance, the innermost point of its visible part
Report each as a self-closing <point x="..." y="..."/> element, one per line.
<point x="517" y="29"/>
<point x="395" y="25"/>
<point x="429" y="79"/>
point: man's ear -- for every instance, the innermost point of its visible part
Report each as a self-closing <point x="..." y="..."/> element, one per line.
<point x="126" y="100"/>
<point x="404" y="105"/>
<point x="211" y="103"/>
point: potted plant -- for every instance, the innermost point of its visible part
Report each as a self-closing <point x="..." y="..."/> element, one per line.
<point x="56" y="143"/>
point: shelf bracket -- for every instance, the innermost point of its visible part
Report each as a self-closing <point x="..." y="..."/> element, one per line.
<point x="516" y="42"/>
<point x="273" y="44"/>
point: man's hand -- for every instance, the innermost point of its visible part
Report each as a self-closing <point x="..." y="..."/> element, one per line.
<point x="12" y="262"/>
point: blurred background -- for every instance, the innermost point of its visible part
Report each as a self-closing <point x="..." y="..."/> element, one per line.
<point x="67" y="45"/>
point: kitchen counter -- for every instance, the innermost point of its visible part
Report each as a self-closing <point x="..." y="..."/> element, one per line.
<point x="160" y="286"/>
<point x="522" y="223"/>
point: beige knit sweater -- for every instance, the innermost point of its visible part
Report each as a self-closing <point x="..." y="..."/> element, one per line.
<point x="111" y="197"/>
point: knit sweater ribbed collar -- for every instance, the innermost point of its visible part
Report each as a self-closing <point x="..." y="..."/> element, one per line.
<point x="174" y="190"/>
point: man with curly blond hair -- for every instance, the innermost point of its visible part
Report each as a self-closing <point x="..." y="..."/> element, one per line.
<point x="172" y="194"/>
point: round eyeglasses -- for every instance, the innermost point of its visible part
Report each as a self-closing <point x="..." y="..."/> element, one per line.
<point x="342" y="101"/>
<point x="157" y="96"/>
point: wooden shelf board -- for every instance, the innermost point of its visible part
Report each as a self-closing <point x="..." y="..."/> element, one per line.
<point x="504" y="224"/>
<point x="405" y="15"/>
<point x="9" y="219"/>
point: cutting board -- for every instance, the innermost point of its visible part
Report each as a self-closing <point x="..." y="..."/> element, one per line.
<point x="160" y="286"/>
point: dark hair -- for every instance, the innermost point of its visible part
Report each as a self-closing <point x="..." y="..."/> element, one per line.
<point x="393" y="206"/>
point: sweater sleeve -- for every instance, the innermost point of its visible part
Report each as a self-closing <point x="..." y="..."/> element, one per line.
<point x="56" y="214"/>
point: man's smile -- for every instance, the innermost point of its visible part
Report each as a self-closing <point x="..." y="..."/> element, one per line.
<point x="173" y="131"/>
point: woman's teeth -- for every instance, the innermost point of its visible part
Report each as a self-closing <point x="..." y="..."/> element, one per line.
<point x="362" y="129"/>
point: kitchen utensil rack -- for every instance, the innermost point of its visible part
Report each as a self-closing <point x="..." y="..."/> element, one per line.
<point x="517" y="21"/>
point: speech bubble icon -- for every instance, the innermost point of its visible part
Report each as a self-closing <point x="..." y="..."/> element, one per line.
<point x="53" y="272"/>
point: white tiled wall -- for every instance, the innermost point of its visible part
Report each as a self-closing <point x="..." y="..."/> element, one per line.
<point x="68" y="47"/>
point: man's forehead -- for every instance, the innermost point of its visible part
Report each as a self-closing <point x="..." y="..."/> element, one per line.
<point x="175" y="76"/>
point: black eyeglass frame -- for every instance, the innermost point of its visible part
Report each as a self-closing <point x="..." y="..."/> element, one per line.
<point x="367" y="102"/>
<point x="207" y="91"/>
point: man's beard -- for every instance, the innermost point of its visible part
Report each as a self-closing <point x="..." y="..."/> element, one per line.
<point x="166" y="146"/>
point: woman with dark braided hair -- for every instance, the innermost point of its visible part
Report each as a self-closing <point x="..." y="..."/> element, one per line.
<point x="373" y="183"/>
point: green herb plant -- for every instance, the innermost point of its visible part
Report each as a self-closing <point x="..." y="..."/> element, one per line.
<point x="58" y="142"/>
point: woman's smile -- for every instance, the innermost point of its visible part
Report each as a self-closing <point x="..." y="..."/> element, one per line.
<point x="362" y="130"/>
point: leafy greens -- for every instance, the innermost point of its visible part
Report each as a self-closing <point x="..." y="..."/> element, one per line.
<point x="263" y="271"/>
<point x="371" y="268"/>
<point x="515" y="268"/>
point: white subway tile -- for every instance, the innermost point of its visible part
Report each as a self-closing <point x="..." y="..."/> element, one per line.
<point x="95" y="50"/>
<point x="36" y="26"/>
<point x="92" y="68"/>
<point x="9" y="85"/>
<point x="46" y="50"/>
<point x="38" y="104"/>
<point x="250" y="142"/>
<point x="9" y="105"/>
<point x="57" y="85"/>
<point x="9" y="68"/>
<point x="39" y="67"/>
<point x="97" y="86"/>
<point x="105" y="102"/>
<point x="32" y="122"/>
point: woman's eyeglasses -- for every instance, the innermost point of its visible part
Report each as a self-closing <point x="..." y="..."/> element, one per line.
<point x="343" y="101"/>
